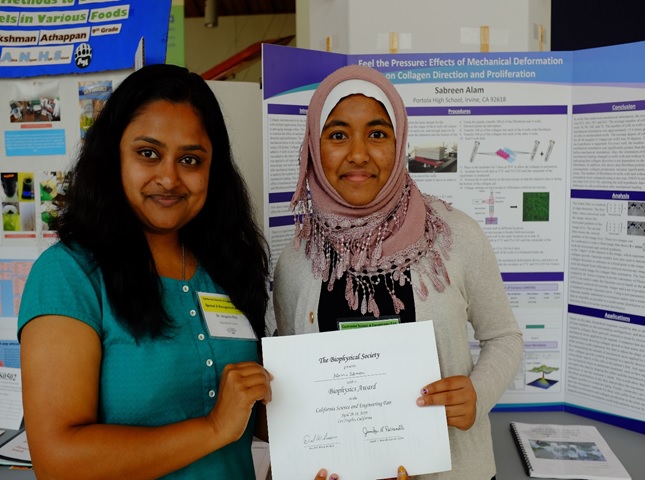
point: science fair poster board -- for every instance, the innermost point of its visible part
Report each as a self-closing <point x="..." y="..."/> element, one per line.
<point x="54" y="37"/>
<point x="543" y="149"/>
<point x="43" y="122"/>
<point x="59" y="61"/>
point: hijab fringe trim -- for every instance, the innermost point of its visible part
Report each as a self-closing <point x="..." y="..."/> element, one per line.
<point x="339" y="245"/>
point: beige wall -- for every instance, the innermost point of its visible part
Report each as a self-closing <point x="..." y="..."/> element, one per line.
<point x="241" y="100"/>
<point x="241" y="104"/>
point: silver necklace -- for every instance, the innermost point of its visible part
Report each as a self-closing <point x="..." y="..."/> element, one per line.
<point x="183" y="263"/>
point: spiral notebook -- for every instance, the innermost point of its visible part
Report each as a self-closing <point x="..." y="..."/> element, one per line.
<point x="566" y="451"/>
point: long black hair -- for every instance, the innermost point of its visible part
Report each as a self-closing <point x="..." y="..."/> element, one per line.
<point x="224" y="236"/>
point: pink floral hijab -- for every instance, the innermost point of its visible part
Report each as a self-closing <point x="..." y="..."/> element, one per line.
<point x="383" y="240"/>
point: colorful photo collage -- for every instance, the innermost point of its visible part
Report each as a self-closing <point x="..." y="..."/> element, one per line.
<point x="32" y="197"/>
<point x="30" y="200"/>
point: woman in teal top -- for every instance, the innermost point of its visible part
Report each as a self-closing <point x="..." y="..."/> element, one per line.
<point x="121" y="375"/>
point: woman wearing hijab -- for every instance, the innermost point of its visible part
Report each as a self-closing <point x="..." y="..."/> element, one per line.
<point x="370" y="246"/>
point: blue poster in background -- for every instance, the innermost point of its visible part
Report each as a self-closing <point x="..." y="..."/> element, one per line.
<point x="54" y="37"/>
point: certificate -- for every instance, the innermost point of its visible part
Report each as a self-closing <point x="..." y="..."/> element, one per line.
<point x="346" y="401"/>
<point x="11" y="411"/>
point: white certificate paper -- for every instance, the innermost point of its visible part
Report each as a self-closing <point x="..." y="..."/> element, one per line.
<point x="346" y="401"/>
<point x="11" y="411"/>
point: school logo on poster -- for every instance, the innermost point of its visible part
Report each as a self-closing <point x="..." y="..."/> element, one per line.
<point x="83" y="55"/>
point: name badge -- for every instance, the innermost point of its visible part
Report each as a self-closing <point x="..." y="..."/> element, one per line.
<point x="365" y="322"/>
<point x="223" y="319"/>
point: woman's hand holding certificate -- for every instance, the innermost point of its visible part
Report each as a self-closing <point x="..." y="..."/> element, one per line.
<point x="401" y="474"/>
<point x="458" y="395"/>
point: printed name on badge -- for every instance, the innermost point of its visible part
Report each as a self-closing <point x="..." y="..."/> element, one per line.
<point x="223" y="319"/>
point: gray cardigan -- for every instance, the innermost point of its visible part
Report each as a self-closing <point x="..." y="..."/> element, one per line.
<point x="476" y="294"/>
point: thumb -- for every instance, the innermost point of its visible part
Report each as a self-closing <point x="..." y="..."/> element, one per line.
<point x="402" y="474"/>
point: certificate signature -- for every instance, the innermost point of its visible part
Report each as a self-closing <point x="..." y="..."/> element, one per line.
<point x="339" y="406"/>
<point x="319" y="438"/>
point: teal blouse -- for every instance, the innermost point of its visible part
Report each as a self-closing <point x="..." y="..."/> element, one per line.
<point x="155" y="382"/>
